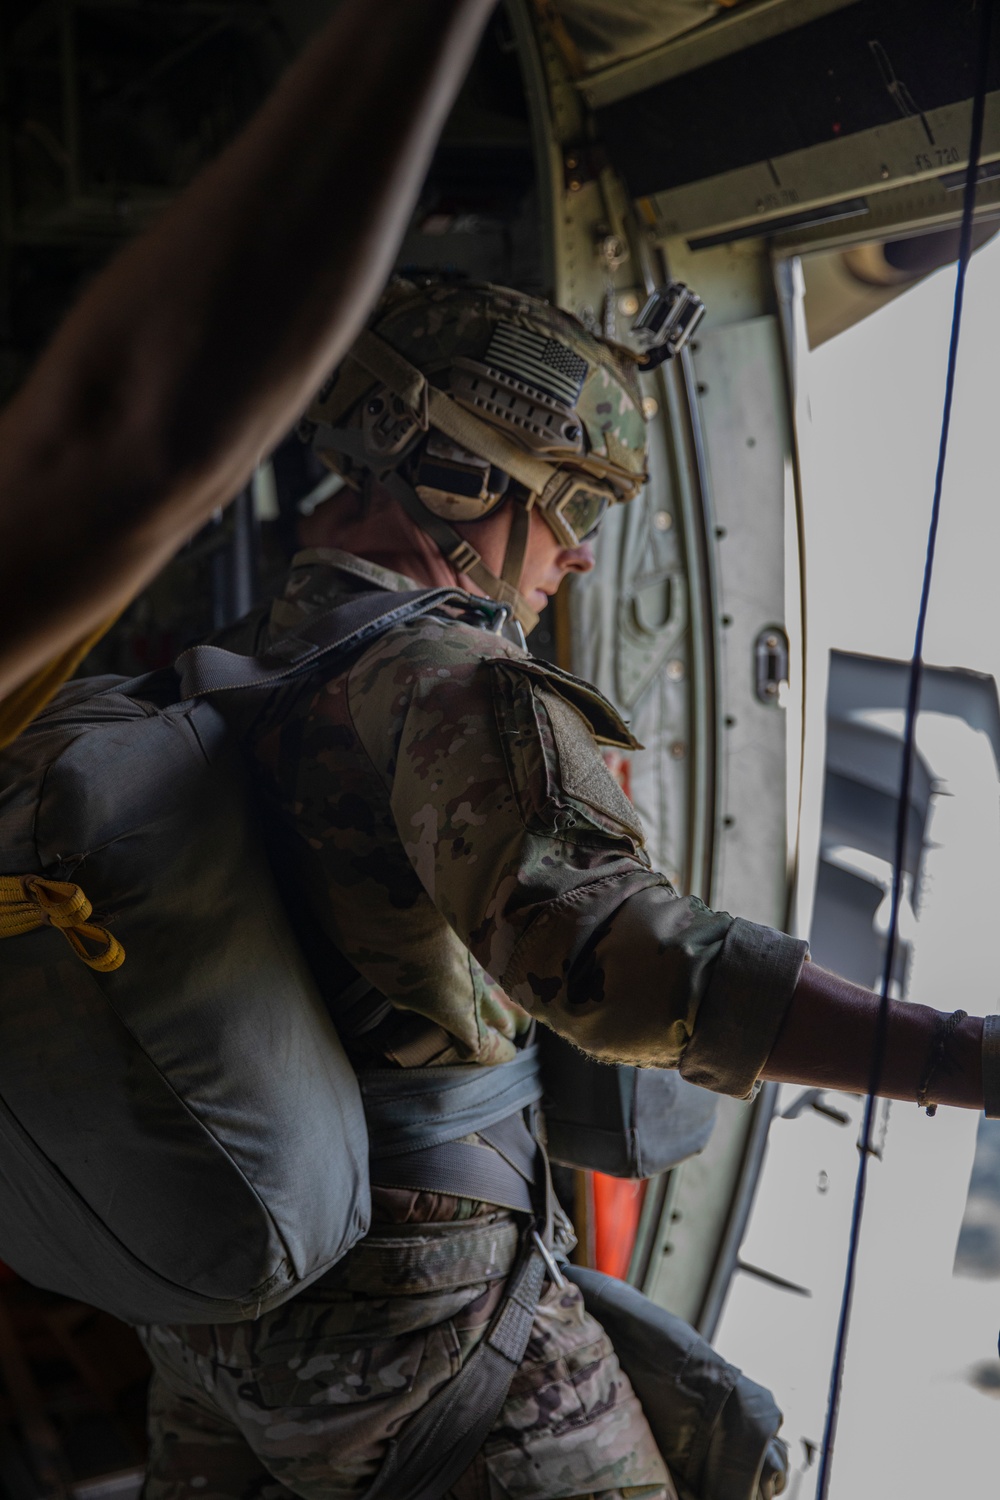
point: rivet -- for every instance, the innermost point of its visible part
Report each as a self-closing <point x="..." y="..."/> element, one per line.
<point x="678" y="749"/>
<point x="663" y="520"/>
<point x="574" y="185"/>
<point x="675" y="670"/>
<point x="628" y="305"/>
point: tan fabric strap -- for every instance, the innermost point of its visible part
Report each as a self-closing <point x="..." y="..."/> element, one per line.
<point x="517" y="545"/>
<point x="469" y="431"/>
<point x="403" y="379"/>
<point x="30" y="901"/>
<point x="461" y="554"/>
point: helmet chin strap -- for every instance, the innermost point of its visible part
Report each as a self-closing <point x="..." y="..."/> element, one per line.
<point x="517" y="543"/>
<point x="462" y="556"/>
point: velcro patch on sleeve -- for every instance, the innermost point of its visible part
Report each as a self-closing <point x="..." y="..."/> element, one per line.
<point x="583" y="772"/>
<point x="550" y="726"/>
<point x="605" y="723"/>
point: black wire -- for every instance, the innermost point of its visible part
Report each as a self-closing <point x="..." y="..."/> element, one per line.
<point x="902" y="813"/>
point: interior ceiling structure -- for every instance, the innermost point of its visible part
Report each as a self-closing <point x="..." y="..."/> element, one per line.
<point x="109" y="107"/>
<point x="604" y="33"/>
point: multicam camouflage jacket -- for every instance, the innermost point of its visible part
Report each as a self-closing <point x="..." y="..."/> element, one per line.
<point x="448" y="825"/>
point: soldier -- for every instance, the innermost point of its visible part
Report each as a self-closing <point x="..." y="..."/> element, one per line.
<point x="445" y="826"/>
<point x="188" y="357"/>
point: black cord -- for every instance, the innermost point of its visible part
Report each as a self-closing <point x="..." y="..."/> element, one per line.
<point x="912" y="707"/>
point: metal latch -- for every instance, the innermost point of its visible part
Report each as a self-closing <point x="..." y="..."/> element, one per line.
<point x="668" y="319"/>
<point x="555" y="1275"/>
<point x="771" y="665"/>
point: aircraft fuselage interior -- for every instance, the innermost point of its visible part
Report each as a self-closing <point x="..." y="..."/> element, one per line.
<point x="798" y="165"/>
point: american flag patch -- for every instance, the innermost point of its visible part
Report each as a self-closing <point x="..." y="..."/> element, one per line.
<point x="541" y="362"/>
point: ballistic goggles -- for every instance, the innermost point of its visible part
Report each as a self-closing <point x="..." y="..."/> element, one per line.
<point x="456" y="483"/>
<point x="573" y="505"/>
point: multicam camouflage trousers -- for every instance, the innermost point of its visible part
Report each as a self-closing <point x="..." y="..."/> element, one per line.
<point x="304" y="1400"/>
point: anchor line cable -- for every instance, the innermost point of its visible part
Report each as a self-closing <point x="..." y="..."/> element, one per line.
<point x="912" y="708"/>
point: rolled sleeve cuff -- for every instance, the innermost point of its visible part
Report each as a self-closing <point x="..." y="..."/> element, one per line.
<point x="741" y="1012"/>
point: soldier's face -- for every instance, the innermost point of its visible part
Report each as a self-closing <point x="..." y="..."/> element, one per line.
<point x="546" y="560"/>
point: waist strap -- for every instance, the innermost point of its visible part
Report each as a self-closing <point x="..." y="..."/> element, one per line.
<point x="416" y="1116"/>
<point x="462" y="1170"/>
<point x="410" y="1109"/>
<point x="504" y="1175"/>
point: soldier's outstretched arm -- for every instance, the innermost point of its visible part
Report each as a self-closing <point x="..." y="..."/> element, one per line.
<point x="827" y="1038"/>
<point x="534" y="856"/>
<point x="194" y="351"/>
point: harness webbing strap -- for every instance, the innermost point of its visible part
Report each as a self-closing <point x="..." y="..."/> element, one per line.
<point x="411" y="1109"/>
<point x="459" y="1168"/>
<point x="438" y="1444"/>
<point x="414" y="1116"/>
<point x="515" y="1143"/>
<point x="346" y="627"/>
<point x="504" y="1171"/>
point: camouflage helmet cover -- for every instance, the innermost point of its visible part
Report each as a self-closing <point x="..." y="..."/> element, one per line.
<point x="435" y="325"/>
<point x="459" y="395"/>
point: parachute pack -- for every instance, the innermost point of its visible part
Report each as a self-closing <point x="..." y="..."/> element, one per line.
<point x="184" y="1138"/>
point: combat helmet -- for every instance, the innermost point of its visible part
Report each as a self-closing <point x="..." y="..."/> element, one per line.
<point x="459" y="397"/>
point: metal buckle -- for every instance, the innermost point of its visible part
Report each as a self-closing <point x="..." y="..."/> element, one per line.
<point x="555" y="1275"/>
<point x="463" y="556"/>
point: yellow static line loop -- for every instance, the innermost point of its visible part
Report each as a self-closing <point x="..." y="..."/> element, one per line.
<point x="31" y="901"/>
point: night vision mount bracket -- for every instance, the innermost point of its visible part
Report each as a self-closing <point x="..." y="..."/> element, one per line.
<point x="667" y="321"/>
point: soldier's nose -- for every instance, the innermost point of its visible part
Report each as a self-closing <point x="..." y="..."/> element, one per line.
<point x="577" y="559"/>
